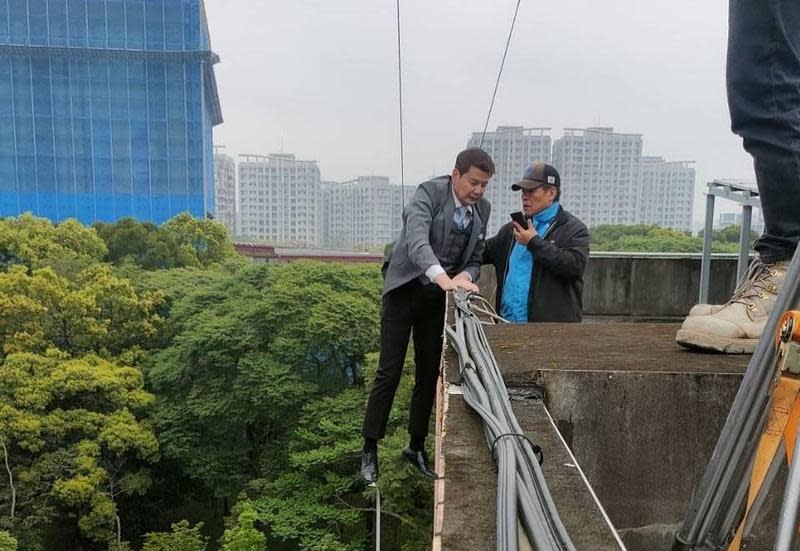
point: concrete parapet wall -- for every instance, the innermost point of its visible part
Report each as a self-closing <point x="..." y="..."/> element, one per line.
<point x="644" y="285"/>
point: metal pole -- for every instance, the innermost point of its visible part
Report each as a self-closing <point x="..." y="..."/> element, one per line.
<point x="787" y="522"/>
<point x="705" y="265"/>
<point x="377" y="518"/>
<point x="744" y="242"/>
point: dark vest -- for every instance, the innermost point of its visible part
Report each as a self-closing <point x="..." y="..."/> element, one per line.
<point x="453" y="255"/>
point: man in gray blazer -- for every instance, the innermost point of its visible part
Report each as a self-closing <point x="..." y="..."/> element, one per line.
<point x="439" y="249"/>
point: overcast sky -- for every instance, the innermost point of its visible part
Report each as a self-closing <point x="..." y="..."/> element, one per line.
<point x="318" y="78"/>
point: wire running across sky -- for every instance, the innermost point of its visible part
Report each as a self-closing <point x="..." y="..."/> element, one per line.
<point x="500" y="72"/>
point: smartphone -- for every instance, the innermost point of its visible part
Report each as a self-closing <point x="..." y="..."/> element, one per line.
<point x="520" y="219"/>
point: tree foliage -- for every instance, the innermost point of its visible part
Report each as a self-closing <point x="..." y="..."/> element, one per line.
<point x="183" y="537"/>
<point x="321" y="318"/>
<point x="248" y="406"/>
<point x="73" y="433"/>
<point x="244" y="536"/>
<point x="143" y="244"/>
<point x="7" y="541"/>
<point x="642" y="238"/>
<point x="93" y="312"/>
<point x="208" y="240"/>
<point x="37" y="242"/>
<point x="248" y="352"/>
<point x="183" y="241"/>
<point x="318" y="502"/>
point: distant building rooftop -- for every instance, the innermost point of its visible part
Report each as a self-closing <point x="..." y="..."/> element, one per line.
<point x="260" y="252"/>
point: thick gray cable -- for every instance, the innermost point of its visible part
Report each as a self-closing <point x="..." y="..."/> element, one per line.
<point x="533" y="520"/>
<point x="522" y="491"/>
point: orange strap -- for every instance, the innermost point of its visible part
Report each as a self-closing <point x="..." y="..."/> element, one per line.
<point x="782" y="423"/>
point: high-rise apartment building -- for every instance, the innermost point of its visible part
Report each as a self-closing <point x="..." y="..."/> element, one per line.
<point x="106" y="109"/>
<point x="725" y="219"/>
<point x="600" y="173"/>
<point x="225" y="189"/>
<point x="512" y="149"/>
<point x="279" y="199"/>
<point x="363" y="213"/>
<point x="667" y="193"/>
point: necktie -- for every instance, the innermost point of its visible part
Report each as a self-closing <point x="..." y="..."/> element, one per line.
<point x="461" y="218"/>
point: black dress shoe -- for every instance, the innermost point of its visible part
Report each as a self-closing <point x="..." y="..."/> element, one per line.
<point x="369" y="466"/>
<point x="420" y="461"/>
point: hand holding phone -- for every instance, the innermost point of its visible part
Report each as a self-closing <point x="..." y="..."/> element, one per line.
<point x="520" y="219"/>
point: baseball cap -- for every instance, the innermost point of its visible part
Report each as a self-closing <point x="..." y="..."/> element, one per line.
<point x="536" y="175"/>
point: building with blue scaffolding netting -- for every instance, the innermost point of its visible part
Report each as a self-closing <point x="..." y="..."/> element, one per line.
<point x="106" y="109"/>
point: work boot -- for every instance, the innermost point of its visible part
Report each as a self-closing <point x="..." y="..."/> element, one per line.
<point x="736" y="327"/>
<point x="705" y="309"/>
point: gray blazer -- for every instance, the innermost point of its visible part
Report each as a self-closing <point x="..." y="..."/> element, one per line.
<point x="427" y="220"/>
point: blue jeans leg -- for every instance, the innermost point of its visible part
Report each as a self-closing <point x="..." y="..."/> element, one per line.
<point x="763" y="81"/>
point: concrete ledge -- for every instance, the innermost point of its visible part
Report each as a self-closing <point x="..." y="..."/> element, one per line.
<point x="465" y="497"/>
<point x="469" y="509"/>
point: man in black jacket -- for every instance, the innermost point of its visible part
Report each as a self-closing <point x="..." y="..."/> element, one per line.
<point x="540" y="268"/>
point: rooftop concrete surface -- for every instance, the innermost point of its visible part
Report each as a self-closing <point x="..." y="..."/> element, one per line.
<point x="522" y="350"/>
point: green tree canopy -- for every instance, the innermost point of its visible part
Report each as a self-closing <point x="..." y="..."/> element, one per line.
<point x="208" y="240"/>
<point x="73" y="433"/>
<point x="37" y="242"/>
<point x="643" y="238"/>
<point x="243" y="536"/>
<point x="183" y="241"/>
<point x="321" y="318"/>
<point x="7" y="542"/>
<point x="183" y="537"/>
<point x="254" y="393"/>
<point x="95" y="312"/>
<point x="248" y="352"/>
<point x="223" y="399"/>
<point x="318" y="502"/>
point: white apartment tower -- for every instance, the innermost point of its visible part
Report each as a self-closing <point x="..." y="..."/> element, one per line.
<point x="667" y="193"/>
<point x="280" y="199"/>
<point x="225" y="189"/>
<point x="512" y="148"/>
<point x="365" y="213"/>
<point x="600" y="174"/>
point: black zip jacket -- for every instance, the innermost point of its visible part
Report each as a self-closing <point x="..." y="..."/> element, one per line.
<point x="560" y="257"/>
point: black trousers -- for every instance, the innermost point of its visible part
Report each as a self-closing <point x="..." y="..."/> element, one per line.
<point x="763" y="80"/>
<point x="418" y="309"/>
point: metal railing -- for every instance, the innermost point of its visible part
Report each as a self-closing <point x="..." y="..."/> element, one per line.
<point x="739" y="192"/>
